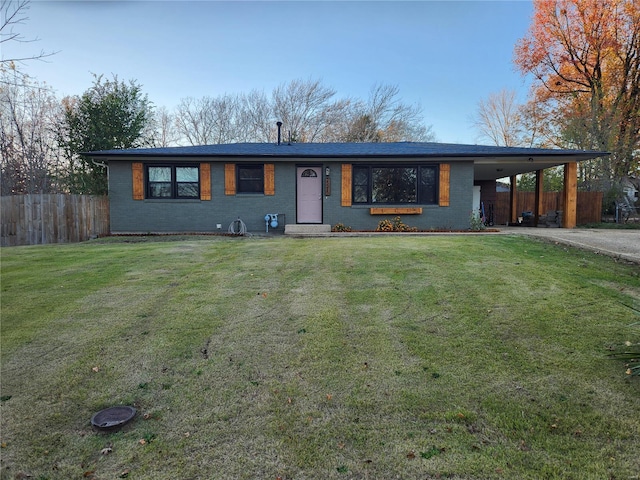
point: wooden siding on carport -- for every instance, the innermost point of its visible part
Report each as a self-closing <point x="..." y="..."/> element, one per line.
<point x="588" y="210"/>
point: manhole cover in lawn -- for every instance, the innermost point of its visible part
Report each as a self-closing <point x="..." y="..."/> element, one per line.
<point x="113" y="417"/>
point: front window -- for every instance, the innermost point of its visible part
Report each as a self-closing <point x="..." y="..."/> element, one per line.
<point x="173" y="182"/>
<point x="385" y="184"/>
<point x="251" y="178"/>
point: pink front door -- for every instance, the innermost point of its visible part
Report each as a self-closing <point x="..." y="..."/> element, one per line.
<point x="309" y="194"/>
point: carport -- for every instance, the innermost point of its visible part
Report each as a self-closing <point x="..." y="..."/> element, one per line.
<point x="492" y="167"/>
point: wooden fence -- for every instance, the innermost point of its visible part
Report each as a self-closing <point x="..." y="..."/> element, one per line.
<point x="52" y="218"/>
<point x="589" y="205"/>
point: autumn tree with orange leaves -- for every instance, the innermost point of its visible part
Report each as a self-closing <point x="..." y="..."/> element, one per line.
<point x="585" y="57"/>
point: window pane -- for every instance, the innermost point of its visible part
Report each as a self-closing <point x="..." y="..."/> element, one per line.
<point x="428" y="184"/>
<point x="250" y="186"/>
<point x="394" y="185"/>
<point x="360" y="184"/>
<point x="189" y="190"/>
<point x="250" y="179"/>
<point x="160" y="189"/>
<point x="251" y="172"/>
<point x="186" y="174"/>
<point x="173" y="182"/>
<point x="160" y="174"/>
<point x="359" y="194"/>
<point x="360" y="176"/>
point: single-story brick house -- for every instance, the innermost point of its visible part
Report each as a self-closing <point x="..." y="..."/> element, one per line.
<point x="207" y="188"/>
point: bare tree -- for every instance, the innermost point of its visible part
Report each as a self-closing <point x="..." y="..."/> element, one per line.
<point x="309" y="113"/>
<point x="163" y="129"/>
<point x="30" y="159"/>
<point x="256" y="120"/>
<point x="499" y="119"/>
<point x="29" y="156"/>
<point x="225" y="118"/>
<point x="336" y="121"/>
<point x="539" y="126"/>
<point x="304" y="107"/>
<point x="384" y="118"/>
<point x="13" y="13"/>
<point x="192" y="121"/>
<point x="209" y="120"/>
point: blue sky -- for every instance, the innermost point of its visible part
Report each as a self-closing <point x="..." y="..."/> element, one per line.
<point x="443" y="55"/>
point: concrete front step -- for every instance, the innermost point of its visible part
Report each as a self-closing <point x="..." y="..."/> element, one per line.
<point x="306" y="229"/>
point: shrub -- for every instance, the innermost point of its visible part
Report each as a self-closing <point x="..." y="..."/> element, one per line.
<point x="394" y="225"/>
<point x="384" y="226"/>
<point x="475" y="222"/>
<point x="341" y="227"/>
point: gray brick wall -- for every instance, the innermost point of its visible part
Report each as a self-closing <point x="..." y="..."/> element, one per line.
<point x="143" y="216"/>
<point x="455" y="216"/>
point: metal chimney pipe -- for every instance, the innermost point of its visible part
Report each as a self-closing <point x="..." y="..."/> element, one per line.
<point x="279" y="124"/>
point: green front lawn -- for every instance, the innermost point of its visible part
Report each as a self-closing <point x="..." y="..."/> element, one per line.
<point x="399" y="357"/>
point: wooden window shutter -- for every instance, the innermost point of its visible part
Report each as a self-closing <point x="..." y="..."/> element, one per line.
<point x="229" y="178"/>
<point x="445" y="173"/>
<point x="205" y="181"/>
<point x="138" y="180"/>
<point x="346" y="184"/>
<point x="269" y="179"/>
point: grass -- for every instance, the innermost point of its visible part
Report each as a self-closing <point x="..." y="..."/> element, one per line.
<point x="396" y="357"/>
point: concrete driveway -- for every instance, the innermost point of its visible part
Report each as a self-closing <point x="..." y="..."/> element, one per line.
<point x="623" y="244"/>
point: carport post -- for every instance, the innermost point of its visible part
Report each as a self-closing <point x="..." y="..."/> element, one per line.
<point x="569" y="215"/>
<point x="539" y="196"/>
<point x="513" y="200"/>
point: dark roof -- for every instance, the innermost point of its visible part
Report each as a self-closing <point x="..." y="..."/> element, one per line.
<point x="490" y="162"/>
<point x="337" y="150"/>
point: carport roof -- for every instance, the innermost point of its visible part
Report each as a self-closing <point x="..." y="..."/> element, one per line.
<point x="490" y="162"/>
